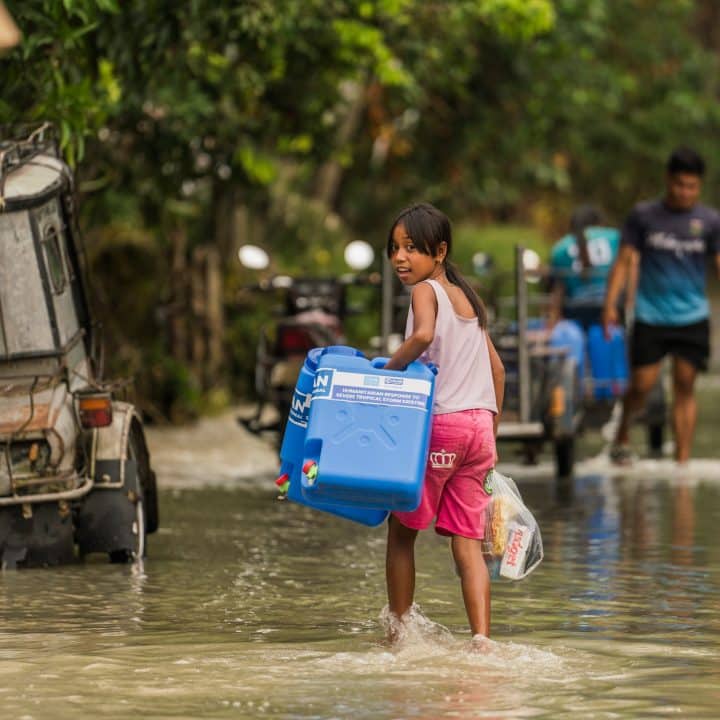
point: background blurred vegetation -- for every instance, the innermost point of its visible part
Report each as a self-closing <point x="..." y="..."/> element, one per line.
<point x="299" y="125"/>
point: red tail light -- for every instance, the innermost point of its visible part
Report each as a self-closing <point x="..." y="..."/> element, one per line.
<point x="95" y="411"/>
<point x="294" y="340"/>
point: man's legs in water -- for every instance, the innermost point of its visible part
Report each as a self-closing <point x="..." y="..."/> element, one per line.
<point x="684" y="407"/>
<point x="642" y="378"/>
<point x="400" y="566"/>
<point x="475" y="583"/>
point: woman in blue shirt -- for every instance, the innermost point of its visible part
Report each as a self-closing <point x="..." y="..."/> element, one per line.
<point x="579" y="266"/>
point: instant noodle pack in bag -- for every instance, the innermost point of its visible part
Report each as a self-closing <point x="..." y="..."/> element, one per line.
<point x="512" y="535"/>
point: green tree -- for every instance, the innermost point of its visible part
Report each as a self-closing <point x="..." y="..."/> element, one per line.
<point x="588" y="108"/>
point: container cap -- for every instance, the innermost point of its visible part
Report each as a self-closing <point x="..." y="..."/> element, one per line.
<point x="314" y="355"/>
<point x="313" y="358"/>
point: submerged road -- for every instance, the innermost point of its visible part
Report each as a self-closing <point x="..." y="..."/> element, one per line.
<point x="251" y="608"/>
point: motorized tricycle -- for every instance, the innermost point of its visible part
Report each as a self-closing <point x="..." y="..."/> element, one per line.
<point x="75" y="474"/>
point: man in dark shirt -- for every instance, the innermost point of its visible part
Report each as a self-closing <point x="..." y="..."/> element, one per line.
<point x="667" y="243"/>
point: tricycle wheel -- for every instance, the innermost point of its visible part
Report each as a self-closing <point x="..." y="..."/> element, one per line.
<point x="564" y="456"/>
<point x="137" y="552"/>
<point x="145" y="490"/>
<point x="138" y="451"/>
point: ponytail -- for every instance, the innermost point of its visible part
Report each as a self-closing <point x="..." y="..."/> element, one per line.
<point x="582" y="218"/>
<point x="456" y="278"/>
<point x="582" y="243"/>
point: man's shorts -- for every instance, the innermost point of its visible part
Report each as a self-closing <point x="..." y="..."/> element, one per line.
<point x="462" y="450"/>
<point x="651" y="343"/>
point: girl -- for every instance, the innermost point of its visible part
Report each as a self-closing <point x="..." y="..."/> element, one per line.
<point x="446" y="325"/>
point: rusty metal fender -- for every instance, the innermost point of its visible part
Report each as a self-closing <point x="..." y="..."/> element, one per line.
<point x="105" y="520"/>
<point x="111" y="443"/>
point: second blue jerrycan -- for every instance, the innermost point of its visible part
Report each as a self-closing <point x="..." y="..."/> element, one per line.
<point x="291" y="451"/>
<point x="608" y="362"/>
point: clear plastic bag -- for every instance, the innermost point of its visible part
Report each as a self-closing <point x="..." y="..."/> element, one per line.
<point x="512" y="535"/>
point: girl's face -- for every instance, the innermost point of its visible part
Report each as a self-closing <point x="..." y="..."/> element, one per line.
<point x="411" y="265"/>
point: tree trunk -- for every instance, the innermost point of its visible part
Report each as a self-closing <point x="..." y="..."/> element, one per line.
<point x="331" y="172"/>
<point x="207" y="315"/>
<point x="178" y="285"/>
<point x="707" y="24"/>
<point x="224" y="201"/>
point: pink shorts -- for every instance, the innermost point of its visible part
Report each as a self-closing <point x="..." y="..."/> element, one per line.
<point x="462" y="450"/>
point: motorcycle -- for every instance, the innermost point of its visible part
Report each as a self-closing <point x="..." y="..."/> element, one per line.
<point x="312" y="314"/>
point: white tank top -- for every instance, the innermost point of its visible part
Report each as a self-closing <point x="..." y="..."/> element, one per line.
<point x="460" y="351"/>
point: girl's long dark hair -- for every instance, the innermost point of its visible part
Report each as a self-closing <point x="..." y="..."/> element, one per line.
<point x="428" y="227"/>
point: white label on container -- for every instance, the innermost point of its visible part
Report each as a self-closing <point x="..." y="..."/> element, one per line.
<point x="513" y="561"/>
<point x="300" y="408"/>
<point x="333" y="384"/>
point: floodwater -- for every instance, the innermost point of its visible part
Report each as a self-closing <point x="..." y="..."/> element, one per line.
<point x="247" y="607"/>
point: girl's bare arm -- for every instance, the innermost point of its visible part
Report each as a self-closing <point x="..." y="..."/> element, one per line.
<point x="498" y="375"/>
<point x="424" y="305"/>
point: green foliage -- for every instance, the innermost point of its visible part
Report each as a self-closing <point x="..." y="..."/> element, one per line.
<point x="519" y="19"/>
<point x="56" y="73"/>
<point x="589" y="109"/>
<point x="498" y="241"/>
<point x="641" y="84"/>
<point x="228" y="89"/>
<point x="173" y="389"/>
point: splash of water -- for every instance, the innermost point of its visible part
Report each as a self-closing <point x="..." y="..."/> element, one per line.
<point x="413" y="628"/>
<point x="416" y="637"/>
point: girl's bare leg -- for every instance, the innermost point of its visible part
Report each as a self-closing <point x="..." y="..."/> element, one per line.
<point x="400" y="566"/>
<point x="475" y="582"/>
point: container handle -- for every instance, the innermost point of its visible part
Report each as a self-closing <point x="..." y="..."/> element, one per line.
<point x="381" y="362"/>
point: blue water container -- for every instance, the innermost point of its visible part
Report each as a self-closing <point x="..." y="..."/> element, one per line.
<point x="569" y="334"/>
<point x="608" y="362"/>
<point x="368" y="433"/>
<point x="291" y="451"/>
